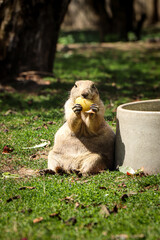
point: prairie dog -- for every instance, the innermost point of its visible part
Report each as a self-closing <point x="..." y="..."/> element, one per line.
<point x="85" y="142"/>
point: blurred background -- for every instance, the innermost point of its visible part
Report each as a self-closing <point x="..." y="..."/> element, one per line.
<point x="30" y="30"/>
<point x="113" y="20"/>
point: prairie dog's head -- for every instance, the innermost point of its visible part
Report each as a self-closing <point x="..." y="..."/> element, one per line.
<point x="85" y="89"/>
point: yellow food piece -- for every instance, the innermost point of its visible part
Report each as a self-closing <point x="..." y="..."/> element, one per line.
<point x="85" y="103"/>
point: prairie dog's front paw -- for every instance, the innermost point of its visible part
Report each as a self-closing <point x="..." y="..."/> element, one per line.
<point x="77" y="108"/>
<point x="94" y="107"/>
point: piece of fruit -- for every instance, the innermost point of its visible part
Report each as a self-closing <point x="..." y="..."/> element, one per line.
<point x="85" y="103"/>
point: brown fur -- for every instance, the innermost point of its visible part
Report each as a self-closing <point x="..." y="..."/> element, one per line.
<point x="85" y="142"/>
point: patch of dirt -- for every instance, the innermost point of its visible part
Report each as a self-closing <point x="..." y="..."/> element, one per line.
<point x="7" y="168"/>
<point x="39" y="154"/>
<point x="22" y="172"/>
<point x="25" y="172"/>
<point x="31" y="81"/>
<point x="100" y="47"/>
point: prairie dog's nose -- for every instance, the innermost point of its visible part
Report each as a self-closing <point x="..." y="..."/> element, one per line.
<point x="85" y="95"/>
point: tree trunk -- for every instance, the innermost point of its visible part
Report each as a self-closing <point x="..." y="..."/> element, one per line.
<point x="123" y="16"/>
<point x="28" y="34"/>
<point x="105" y="21"/>
<point x="155" y="15"/>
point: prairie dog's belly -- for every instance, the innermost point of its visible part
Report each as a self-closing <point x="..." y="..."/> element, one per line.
<point x="66" y="143"/>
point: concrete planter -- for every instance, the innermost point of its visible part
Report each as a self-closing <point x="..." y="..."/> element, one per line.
<point x="138" y="136"/>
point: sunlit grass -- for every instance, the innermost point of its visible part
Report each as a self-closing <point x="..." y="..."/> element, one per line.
<point x="27" y="117"/>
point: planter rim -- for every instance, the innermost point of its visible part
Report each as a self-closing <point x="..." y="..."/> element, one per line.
<point x="125" y="110"/>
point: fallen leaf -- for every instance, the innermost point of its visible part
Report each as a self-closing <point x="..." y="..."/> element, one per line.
<point x="132" y="193"/>
<point x="37" y="128"/>
<point x="104" y="211"/>
<point x="142" y="174"/>
<point x="37" y="220"/>
<point x="67" y="199"/>
<point x="43" y="144"/>
<point x="13" y="198"/>
<point x="140" y="170"/>
<point x="45" y="126"/>
<point x="26" y="187"/>
<point x="127" y="170"/>
<point x="122" y="185"/>
<point x="124" y="197"/>
<point x="71" y="221"/>
<point x="52" y="215"/>
<point x="6" y="130"/>
<point x="124" y="207"/>
<point x="90" y="225"/>
<point x="115" y="209"/>
<point x="79" y="205"/>
<point x="130" y="171"/>
<point x="85" y="181"/>
<point x="118" y="206"/>
<point x="7" y="149"/>
<point x="104" y="233"/>
<point x="125" y="236"/>
<point x="139" y="236"/>
<point x="29" y="210"/>
<point x="127" y="195"/>
<point x="155" y="188"/>
<point x="9" y="175"/>
<point x="36" y="117"/>
<point x="34" y="156"/>
<point x="50" y="122"/>
<point x="120" y="237"/>
<point x="10" y="112"/>
<point x="105" y="188"/>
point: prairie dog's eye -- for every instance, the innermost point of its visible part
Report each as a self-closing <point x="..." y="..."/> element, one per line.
<point x="75" y="85"/>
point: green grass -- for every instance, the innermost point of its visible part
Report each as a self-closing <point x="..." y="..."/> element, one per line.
<point x="121" y="76"/>
<point x="68" y="37"/>
<point x="139" y="215"/>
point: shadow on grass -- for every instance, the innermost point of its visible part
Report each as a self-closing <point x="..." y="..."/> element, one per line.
<point x="92" y="36"/>
<point x="86" y="36"/>
<point x="129" y="74"/>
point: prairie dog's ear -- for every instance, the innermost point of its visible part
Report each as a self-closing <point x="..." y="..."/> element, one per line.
<point x="75" y="85"/>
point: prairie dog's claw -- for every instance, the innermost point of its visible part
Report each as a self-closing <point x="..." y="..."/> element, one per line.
<point x="77" y="108"/>
<point x="94" y="107"/>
